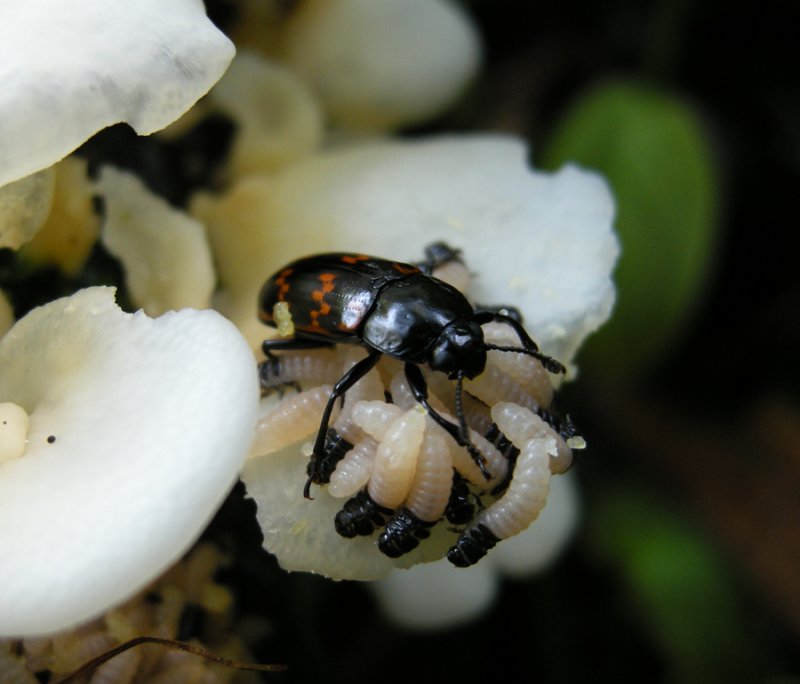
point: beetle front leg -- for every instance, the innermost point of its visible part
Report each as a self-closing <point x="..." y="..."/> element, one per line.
<point x="419" y="388"/>
<point x="350" y="378"/>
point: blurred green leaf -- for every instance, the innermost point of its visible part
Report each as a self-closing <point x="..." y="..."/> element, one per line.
<point x="679" y="585"/>
<point x="652" y="150"/>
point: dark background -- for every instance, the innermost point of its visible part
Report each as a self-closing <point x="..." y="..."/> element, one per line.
<point x="686" y="566"/>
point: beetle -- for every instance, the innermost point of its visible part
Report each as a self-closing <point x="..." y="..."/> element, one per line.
<point x="391" y="308"/>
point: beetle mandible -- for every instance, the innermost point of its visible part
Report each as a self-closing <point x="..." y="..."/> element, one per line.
<point x="391" y="308"/>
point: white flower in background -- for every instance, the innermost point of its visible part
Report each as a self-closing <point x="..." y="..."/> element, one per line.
<point x="163" y="250"/>
<point x="133" y="431"/>
<point x="379" y="64"/>
<point x="24" y="207"/>
<point x="278" y="120"/>
<point x="69" y="69"/>
<point x="540" y="242"/>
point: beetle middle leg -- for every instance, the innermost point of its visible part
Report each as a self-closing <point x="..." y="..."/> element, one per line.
<point x="438" y="254"/>
<point x="269" y="371"/>
<point x="350" y="378"/>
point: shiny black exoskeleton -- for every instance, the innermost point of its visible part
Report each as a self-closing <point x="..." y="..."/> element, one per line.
<point x="403" y="533"/>
<point x="471" y="546"/>
<point x="390" y="308"/>
<point x="360" y="516"/>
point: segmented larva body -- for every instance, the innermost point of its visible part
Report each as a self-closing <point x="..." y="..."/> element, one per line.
<point x="375" y="417"/>
<point x="476" y="413"/>
<point x="307" y="367"/>
<point x="519" y="506"/>
<point x="523" y="425"/>
<point x="463" y="462"/>
<point x="433" y="479"/>
<point x="396" y="459"/>
<point x="493" y="386"/>
<point x="292" y="419"/>
<point x="354" y="470"/>
<point x="526" y="494"/>
<point x="404" y="398"/>
<point x="526" y="370"/>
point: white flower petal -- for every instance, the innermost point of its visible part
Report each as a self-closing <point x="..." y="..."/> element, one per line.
<point x="68" y="235"/>
<point x="542" y="242"/>
<point x="68" y="70"/>
<point x="164" y="251"/>
<point x="380" y="64"/>
<point x="436" y="595"/>
<point x="137" y="430"/>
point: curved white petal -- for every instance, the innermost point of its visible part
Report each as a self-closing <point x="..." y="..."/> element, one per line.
<point x="138" y="427"/>
<point x="69" y="69"/>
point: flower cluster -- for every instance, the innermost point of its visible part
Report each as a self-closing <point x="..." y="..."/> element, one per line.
<point x="122" y="433"/>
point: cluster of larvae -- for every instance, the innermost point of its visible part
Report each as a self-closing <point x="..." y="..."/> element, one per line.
<point x="398" y="473"/>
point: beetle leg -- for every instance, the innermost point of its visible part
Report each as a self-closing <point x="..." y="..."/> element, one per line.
<point x="438" y="254"/>
<point x="292" y="344"/>
<point x="350" y="378"/>
<point x="419" y="388"/>
<point x="271" y="367"/>
<point x="510" y="311"/>
<point x="529" y="346"/>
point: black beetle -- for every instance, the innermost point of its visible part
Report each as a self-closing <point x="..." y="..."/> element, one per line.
<point x="390" y="308"/>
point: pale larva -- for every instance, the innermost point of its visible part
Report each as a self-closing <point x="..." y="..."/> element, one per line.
<point x="519" y="506"/>
<point x="526" y="370"/>
<point x="375" y="417"/>
<point x="293" y="419"/>
<point x="316" y="367"/>
<point x="353" y="472"/>
<point x="396" y="459"/>
<point x="427" y="499"/>
<point x="522" y="425"/>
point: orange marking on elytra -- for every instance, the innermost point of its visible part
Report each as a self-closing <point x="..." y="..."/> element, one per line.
<point x="354" y="258"/>
<point x="405" y="269"/>
<point x="283" y="286"/>
<point x="326" y="279"/>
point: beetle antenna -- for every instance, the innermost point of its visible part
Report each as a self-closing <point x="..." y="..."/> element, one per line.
<point x="477" y="456"/>
<point x="548" y="362"/>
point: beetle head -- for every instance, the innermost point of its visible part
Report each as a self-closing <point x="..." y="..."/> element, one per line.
<point x="459" y="348"/>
